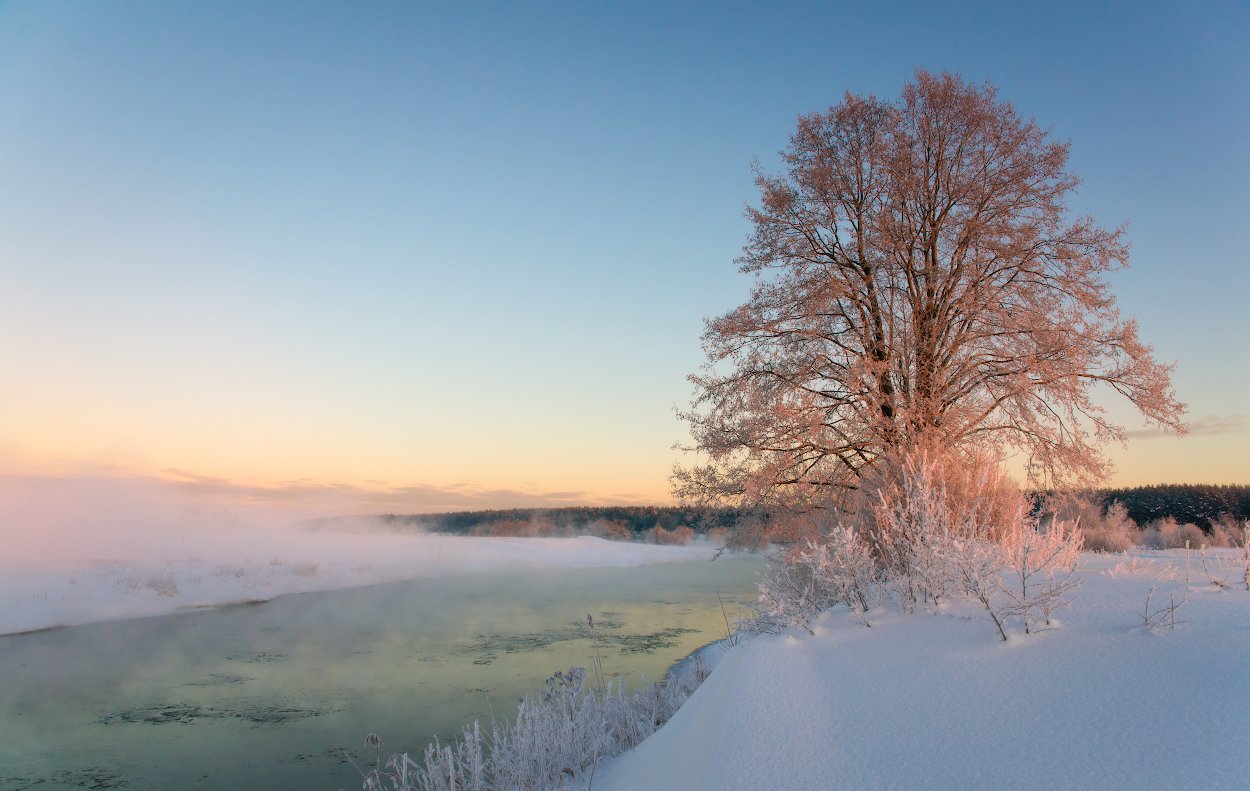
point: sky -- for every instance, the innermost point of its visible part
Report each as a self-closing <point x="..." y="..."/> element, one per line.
<point x="419" y="256"/>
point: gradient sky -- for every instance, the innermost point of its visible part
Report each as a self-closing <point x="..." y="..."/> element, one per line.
<point x="437" y="256"/>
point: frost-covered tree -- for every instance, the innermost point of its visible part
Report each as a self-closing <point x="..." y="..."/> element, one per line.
<point x="920" y="283"/>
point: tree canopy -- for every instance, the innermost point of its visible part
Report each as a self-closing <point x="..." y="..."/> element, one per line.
<point x="919" y="283"/>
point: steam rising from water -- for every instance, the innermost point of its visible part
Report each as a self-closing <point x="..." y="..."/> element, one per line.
<point x="76" y="550"/>
<point x="85" y="519"/>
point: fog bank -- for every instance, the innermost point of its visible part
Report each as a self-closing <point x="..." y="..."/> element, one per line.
<point x="78" y="550"/>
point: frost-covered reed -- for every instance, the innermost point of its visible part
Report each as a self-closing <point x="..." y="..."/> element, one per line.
<point x="557" y="740"/>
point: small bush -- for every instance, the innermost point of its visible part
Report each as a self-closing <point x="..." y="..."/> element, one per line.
<point x="1041" y="564"/>
<point x="805" y="582"/>
<point x="1166" y="533"/>
<point x="678" y="536"/>
<point x="933" y="534"/>
<point x="558" y="738"/>
<point x="534" y="527"/>
<point x="610" y="530"/>
<point x="615" y="532"/>
<point x="163" y="584"/>
<point x="1115" y="531"/>
<point x="1226" y="531"/>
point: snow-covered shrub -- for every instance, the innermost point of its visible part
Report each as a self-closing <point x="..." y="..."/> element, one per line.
<point x="557" y="739"/>
<point x="448" y="767"/>
<point x="537" y="526"/>
<point x="969" y="490"/>
<point x="1042" y="565"/>
<point x="1226" y="531"/>
<point x="846" y="564"/>
<point x="786" y="597"/>
<point x="1166" y="533"/>
<point x="1108" y="529"/>
<point x="679" y="536"/>
<point x="941" y="527"/>
<point x="565" y="728"/>
<point x="1245" y="552"/>
<point x="975" y="567"/>
<point x="808" y="580"/>
<point x="1112" y="531"/>
<point x="609" y="529"/>
<point x="936" y="511"/>
<point x="913" y="530"/>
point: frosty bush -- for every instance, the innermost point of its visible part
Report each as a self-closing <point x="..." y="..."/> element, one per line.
<point x="942" y="528"/>
<point x="975" y="567"/>
<point x="1113" y="531"/>
<point x="678" y="536"/>
<point x="1226" y="531"/>
<point x="556" y="741"/>
<point x="809" y="580"/>
<point x="608" y="529"/>
<point x="1166" y="533"/>
<point x="1041" y="564"/>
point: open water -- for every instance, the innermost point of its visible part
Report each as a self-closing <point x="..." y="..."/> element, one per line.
<point x="282" y="694"/>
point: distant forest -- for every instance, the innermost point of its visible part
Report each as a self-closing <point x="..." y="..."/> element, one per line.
<point x="1198" y="504"/>
<point x="637" y="520"/>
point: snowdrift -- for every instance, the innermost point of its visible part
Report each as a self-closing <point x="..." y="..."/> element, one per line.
<point x="935" y="700"/>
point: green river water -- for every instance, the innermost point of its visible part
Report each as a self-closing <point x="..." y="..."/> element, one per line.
<point x="275" y="695"/>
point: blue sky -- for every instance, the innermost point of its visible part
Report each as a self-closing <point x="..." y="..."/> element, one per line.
<point x="466" y="249"/>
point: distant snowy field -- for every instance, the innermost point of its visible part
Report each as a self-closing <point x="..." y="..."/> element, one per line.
<point x="937" y="701"/>
<point x="125" y="584"/>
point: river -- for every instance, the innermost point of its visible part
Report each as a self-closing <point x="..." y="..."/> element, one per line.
<point x="280" y="694"/>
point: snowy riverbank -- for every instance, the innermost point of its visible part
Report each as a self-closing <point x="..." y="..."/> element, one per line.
<point x="937" y="701"/>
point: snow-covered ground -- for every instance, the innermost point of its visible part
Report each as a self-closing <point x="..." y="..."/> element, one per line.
<point x="936" y="701"/>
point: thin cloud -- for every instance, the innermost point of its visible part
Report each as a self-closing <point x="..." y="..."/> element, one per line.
<point x="630" y="498"/>
<point x="185" y="498"/>
<point x="457" y="496"/>
<point x="1207" y="425"/>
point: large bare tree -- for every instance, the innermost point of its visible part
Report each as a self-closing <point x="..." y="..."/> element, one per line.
<point x="919" y="283"/>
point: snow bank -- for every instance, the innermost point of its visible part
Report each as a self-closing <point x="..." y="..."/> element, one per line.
<point x="937" y="701"/>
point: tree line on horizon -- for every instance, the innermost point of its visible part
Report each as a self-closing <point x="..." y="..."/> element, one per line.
<point x="654" y="523"/>
<point x="1193" y="503"/>
<point x="1198" y="504"/>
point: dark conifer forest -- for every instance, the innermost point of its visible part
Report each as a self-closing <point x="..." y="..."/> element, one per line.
<point x="1199" y="504"/>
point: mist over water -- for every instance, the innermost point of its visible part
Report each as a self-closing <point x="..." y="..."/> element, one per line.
<point x="344" y="631"/>
<point x="58" y="520"/>
<point x="80" y="550"/>
<point x="276" y="694"/>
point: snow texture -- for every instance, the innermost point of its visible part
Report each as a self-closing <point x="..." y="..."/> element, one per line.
<point x="935" y="700"/>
